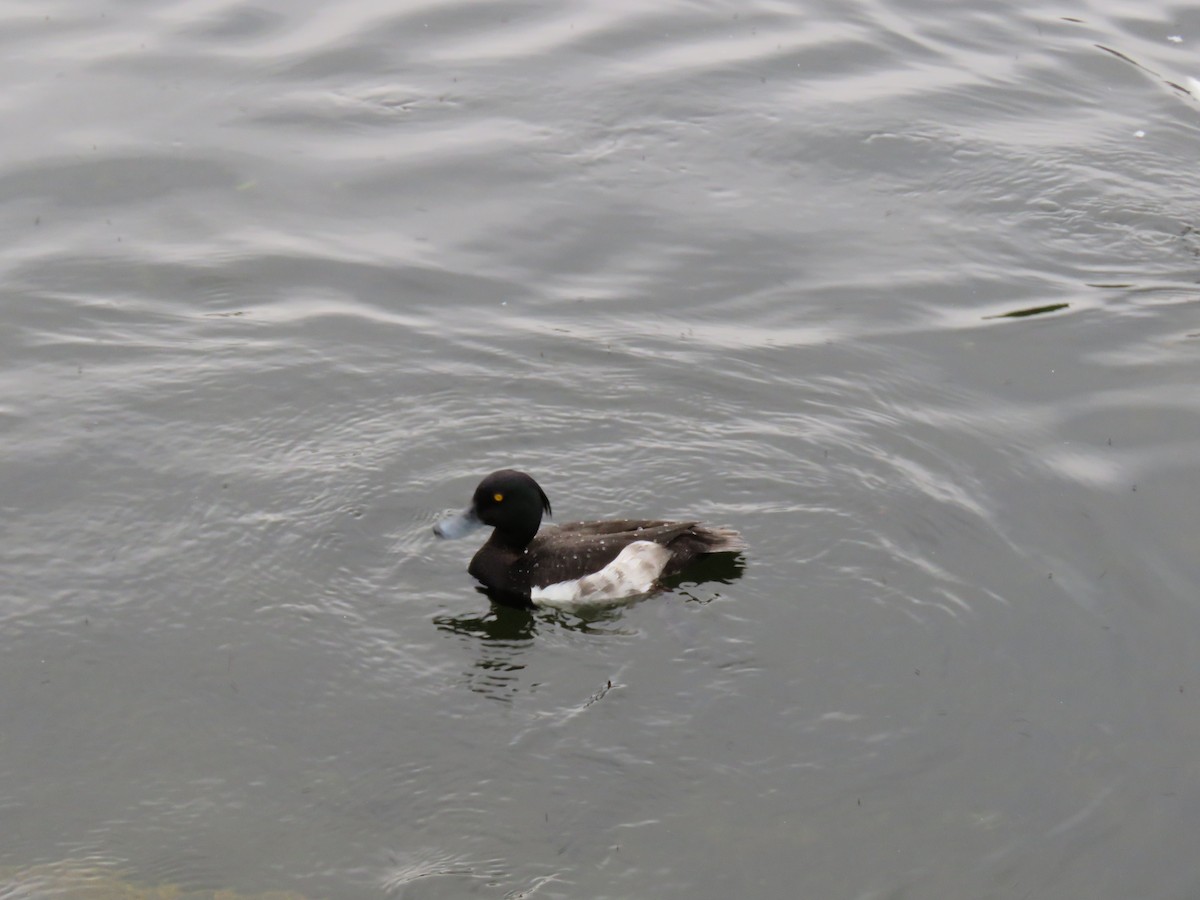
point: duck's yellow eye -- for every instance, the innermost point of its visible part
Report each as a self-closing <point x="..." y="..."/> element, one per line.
<point x="498" y="497"/>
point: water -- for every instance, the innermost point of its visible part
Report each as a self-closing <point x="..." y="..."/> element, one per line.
<point x="280" y="282"/>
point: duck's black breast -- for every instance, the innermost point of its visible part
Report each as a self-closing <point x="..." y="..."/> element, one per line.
<point x="501" y="569"/>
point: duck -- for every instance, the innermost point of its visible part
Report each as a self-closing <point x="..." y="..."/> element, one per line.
<point x="577" y="562"/>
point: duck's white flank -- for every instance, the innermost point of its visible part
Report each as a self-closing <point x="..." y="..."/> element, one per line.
<point x="634" y="571"/>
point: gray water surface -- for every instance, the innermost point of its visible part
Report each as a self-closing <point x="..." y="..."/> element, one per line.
<point x="281" y="281"/>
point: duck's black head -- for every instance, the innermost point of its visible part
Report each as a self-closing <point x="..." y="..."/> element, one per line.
<point x="509" y="501"/>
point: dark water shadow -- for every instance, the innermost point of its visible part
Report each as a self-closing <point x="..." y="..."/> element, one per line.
<point x="502" y="634"/>
<point x="719" y="568"/>
<point x="499" y="638"/>
<point x="1030" y="311"/>
<point x="505" y="624"/>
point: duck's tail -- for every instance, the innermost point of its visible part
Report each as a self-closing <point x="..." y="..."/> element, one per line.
<point x="718" y="539"/>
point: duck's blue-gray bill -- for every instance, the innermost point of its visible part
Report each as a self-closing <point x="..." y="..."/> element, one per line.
<point x="456" y="526"/>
